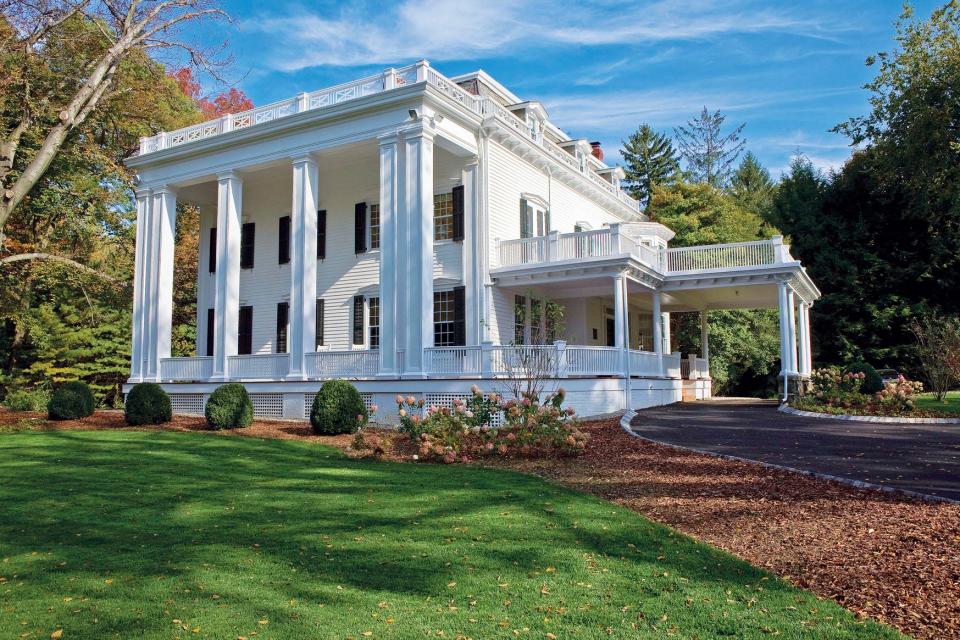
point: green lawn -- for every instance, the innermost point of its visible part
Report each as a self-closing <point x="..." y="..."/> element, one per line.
<point x="166" y="535"/>
<point x="950" y="404"/>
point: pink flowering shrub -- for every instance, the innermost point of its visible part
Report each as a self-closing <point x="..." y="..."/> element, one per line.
<point x="452" y="434"/>
<point x="833" y="391"/>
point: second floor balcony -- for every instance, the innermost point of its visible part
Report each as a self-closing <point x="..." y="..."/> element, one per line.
<point x="617" y="243"/>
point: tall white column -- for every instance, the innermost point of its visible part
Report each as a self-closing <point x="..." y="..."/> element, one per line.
<point x="390" y="248"/>
<point x="657" y="319"/>
<point x="165" y="208"/>
<point x="808" y="350"/>
<point x="667" y="339"/>
<point x="417" y="223"/>
<point x="625" y="365"/>
<point x="619" y="322"/>
<point x="783" y="303"/>
<point x="472" y="246"/>
<point x="303" y="265"/>
<point x="704" y="336"/>
<point x="141" y="256"/>
<point x="803" y="326"/>
<point x="227" y="296"/>
<point x="792" y="328"/>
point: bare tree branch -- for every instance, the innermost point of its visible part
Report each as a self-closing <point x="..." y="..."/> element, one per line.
<point x="23" y="257"/>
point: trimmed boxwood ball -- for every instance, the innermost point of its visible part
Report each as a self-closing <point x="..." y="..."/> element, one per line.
<point x="229" y="407"/>
<point x="66" y="404"/>
<point x="147" y="403"/>
<point x="82" y="389"/>
<point x="872" y="382"/>
<point x="336" y="407"/>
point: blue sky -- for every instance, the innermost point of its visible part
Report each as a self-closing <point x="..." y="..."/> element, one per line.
<point x="789" y="70"/>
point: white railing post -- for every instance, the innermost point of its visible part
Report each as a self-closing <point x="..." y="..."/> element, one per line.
<point x="778" y="252"/>
<point x="389" y="79"/>
<point x="144" y="141"/>
<point x="694" y="372"/>
<point x="552" y="252"/>
<point x="561" y="347"/>
<point x="486" y="359"/>
<point x="303" y="101"/>
<point x="422" y="67"/>
<point x="161" y="139"/>
<point x="226" y="123"/>
<point x="615" y="238"/>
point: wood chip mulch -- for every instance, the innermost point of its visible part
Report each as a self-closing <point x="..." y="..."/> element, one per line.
<point x="886" y="556"/>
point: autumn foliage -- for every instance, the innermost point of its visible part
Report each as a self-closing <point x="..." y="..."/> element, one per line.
<point x="232" y="101"/>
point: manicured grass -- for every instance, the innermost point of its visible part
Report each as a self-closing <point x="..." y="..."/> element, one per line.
<point x="950" y="404"/>
<point x="165" y="535"/>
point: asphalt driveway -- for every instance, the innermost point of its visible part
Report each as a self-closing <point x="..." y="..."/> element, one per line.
<point x="917" y="457"/>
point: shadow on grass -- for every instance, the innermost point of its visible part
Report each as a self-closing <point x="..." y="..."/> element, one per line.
<point x="122" y="533"/>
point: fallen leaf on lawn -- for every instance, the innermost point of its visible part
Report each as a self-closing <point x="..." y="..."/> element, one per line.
<point x="56" y="634"/>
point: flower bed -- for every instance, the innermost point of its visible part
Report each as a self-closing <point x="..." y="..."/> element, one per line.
<point x="836" y="392"/>
<point x="530" y="429"/>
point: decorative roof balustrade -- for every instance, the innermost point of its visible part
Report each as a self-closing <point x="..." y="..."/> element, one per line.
<point x="385" y="81"/>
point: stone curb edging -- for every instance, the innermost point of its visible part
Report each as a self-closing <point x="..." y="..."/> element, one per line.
<point x="628" y="417"/>
<point x="881" y="419"/>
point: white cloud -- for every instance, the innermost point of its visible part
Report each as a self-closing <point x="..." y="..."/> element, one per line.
<point x="459" y="30"/>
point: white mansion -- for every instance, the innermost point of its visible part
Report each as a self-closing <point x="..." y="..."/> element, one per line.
<point x="419" y="234"/>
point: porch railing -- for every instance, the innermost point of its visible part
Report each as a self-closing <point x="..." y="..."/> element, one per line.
<point x="612" y="241"/>
<point x="199" y="368"/>
<point x="270" y="366"/>
<point x="352" y="364"/>
<point x="644" y="363"/>
<point x="596" y="361"/>
<point x="453" y="360"/>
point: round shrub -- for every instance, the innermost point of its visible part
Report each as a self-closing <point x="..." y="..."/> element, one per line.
<point x="82" y="389"/>
<point x="872" y="382"/>
<point x="229" y="407"/>
<point x="336" y="407"/>
<point x="147" y="403"/>
<point x="66" y="404"/>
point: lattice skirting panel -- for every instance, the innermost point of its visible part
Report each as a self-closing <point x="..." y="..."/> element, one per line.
<point x="189" y="404"/>
<point x="308" y="399"/>
<point x="267" y="405"/>
<point x="446" y="400"/>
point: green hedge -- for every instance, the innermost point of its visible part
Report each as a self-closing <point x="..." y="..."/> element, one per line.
<point x="229" y="407"/>
<point x="82" y="389"/>
<point x="336" y="407"/>
<point x="24" y="400"/>
<point x="147" y="403"/>
<point x="872" y="382"/>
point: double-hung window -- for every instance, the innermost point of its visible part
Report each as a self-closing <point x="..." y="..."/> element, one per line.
<point x="443" y="216"/>
<point x="374" y="226"/>
<point x="443" y="319"/>
<point x="534" y="219"/>
<point x="373" y="329"/>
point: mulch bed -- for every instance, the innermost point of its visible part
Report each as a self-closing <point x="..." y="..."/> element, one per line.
<point x="881" y="555"/>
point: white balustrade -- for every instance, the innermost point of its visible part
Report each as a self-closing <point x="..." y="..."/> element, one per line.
<point x="343" y="364"/>
<point x="524" y="360"/>
<point x="200" y="368"/>
<point x="269" y="366"/>
<point x="595" y="361"/>
<point x="703" y="367"/>
<point x="671" y="365"/>
<point x="721" y="256"/>
<point x="586" y="244"/>
<point x="453" y="360"/>
<point x="523" y="251"/>
<point x="644" y="363"/>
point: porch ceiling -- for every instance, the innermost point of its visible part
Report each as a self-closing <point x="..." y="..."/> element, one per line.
<point x="739" y="296"/>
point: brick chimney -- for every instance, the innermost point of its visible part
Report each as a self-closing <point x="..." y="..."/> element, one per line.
<point x="596" y="150"/>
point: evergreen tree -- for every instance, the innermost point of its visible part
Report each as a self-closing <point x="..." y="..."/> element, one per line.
<point x="709" y="154"/>
<point x="651" y="160"/>
<point x="751" y="185"/>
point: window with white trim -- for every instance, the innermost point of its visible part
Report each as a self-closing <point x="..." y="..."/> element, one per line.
<point x="374" y="226"/>
<point x="373" y="323"/>
<point x="444" y="317"/>
<point x="443" y="216"/>
<point x="519" y="319"/>
<point x="536" y="220"/>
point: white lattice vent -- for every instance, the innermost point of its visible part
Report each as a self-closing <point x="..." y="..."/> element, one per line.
<point x="267" y="405"/>
<point x="189" y="404"/>
<point x="446" y="400"/>
<point x="367" y="400"/>
<point x="308" y="399"/>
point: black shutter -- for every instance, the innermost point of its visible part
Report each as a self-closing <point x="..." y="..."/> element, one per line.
<point x="210" y="332"/>
<point x="458" y="214"/>
<point x="360" y="228"/>
<point x="357" y="319"/>
<point x="247" y="234"/>
<point x="524" y="221"/>
<point x="245" y="331"/>
<point x="284" y="247"/>
<point x="322" y="234"/>
<point x="283" y="313"/>
<point x="459" y="316"/>
<point x="546" y="221"/>
<point x="212" y="258"/>
<point x="319" y="336"/>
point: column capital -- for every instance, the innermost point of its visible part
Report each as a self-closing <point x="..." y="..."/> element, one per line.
<point x="472" y="162"/>
<point x="388" y="138"/>
<point x="142" y="192"/>
<point x="418" y="130"/>
<point x="165" y="189"/>
<point x="304" y="158"/>
<point x="229" y="174"/>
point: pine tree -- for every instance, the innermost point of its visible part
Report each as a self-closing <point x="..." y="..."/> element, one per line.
<point x="709" y="153"/>
<point x="651" y="160"/>
<point x="751" y="185"/>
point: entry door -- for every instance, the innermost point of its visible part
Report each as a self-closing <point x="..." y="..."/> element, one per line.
<point x="611" y="333"/>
